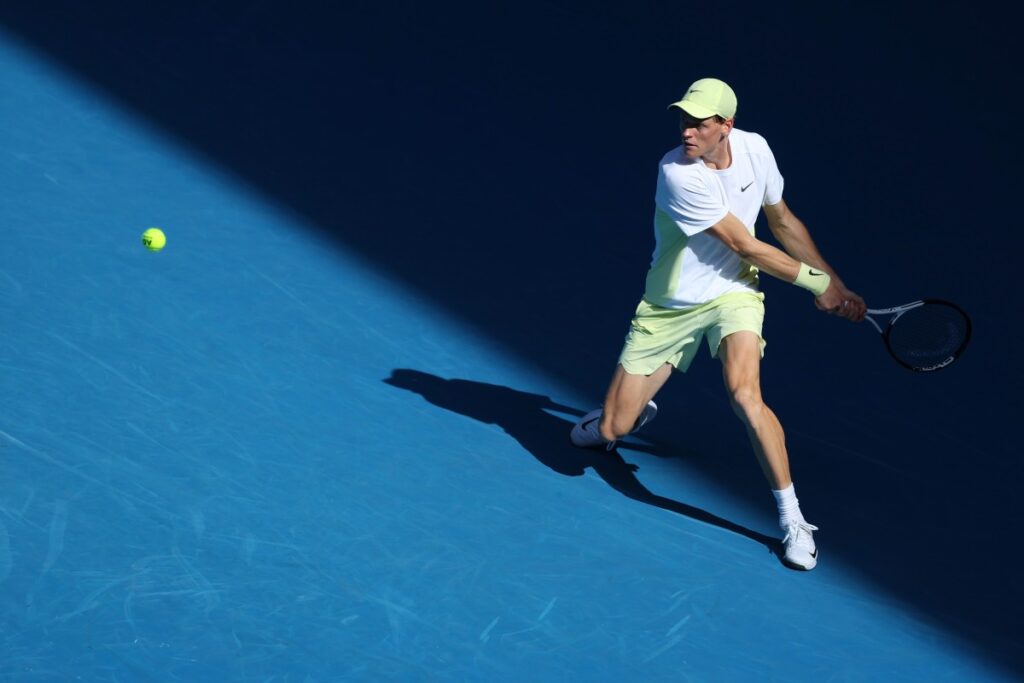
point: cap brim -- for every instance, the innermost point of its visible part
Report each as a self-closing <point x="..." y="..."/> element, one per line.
<point x="693" y="109"/>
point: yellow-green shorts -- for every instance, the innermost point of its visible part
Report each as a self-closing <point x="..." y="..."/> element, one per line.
<point x="667" y="335"/>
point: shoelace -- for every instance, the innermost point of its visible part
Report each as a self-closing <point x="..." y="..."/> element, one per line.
<point x="793" y="531"/>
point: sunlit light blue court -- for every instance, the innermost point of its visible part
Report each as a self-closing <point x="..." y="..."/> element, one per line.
<point x="318" y="438"/>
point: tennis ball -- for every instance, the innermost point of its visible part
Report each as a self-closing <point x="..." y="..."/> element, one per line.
<point x="154" y="239"/>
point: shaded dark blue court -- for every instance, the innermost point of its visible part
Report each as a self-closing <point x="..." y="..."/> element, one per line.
<point x="322" y="436"/>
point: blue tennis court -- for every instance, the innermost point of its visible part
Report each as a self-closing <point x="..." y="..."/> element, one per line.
<point x="323" y="434"/>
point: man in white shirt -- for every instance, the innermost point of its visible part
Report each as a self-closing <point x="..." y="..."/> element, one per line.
<point x="703" y="283"/>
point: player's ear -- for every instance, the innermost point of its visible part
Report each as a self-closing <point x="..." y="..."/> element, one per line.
<point x="727" y="126"/>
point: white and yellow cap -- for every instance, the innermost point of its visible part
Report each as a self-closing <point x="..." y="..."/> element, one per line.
<point x="708" y="97"/>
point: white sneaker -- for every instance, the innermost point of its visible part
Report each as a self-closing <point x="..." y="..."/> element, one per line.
<point x="587" y="432"/>
<point x="801" y="553"/>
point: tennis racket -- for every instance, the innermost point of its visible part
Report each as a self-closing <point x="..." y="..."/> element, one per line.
<point x="924" y="335"/>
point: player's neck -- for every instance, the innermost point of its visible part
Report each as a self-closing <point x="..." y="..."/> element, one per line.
<point x="720" y="158"/>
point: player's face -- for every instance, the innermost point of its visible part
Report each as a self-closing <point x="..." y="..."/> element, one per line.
<point x="701" y="137"/>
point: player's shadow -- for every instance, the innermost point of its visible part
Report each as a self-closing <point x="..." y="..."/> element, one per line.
<point x="525" y="417"/>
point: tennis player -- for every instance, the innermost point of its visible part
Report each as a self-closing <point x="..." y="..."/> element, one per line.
<point x="703" y="283"/>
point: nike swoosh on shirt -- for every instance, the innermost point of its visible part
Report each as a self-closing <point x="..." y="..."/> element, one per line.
<point x="744" y="188"/>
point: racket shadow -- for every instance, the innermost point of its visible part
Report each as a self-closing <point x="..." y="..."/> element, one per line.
<point x="524" y="416"/>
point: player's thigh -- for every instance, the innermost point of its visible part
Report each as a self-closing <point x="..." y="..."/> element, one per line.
<point x="740" y="353"/>
<point x="735" y="338"/>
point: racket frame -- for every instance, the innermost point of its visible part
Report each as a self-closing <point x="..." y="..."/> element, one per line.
<point x="897" y="311"/>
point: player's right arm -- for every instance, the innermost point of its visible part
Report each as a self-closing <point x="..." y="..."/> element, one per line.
<point x="763" y="256"/>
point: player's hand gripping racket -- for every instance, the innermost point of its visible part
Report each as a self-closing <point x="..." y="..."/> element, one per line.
<point x="924" y="335"/>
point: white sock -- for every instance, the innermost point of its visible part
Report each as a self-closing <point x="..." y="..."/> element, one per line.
<point x="789" y="506"/>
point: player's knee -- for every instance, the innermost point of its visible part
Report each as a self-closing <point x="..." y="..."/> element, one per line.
<point x="747" y="402"/>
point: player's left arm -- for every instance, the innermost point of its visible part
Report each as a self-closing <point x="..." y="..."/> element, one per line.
<point x="794" y="237"/>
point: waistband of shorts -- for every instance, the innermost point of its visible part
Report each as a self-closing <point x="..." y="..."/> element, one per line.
<point x="718" y="301"/>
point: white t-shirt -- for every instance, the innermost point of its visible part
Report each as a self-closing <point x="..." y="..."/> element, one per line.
<point x="689" y="266"/>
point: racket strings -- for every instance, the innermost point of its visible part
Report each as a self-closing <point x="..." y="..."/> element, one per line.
<point x="929" y="336"/>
